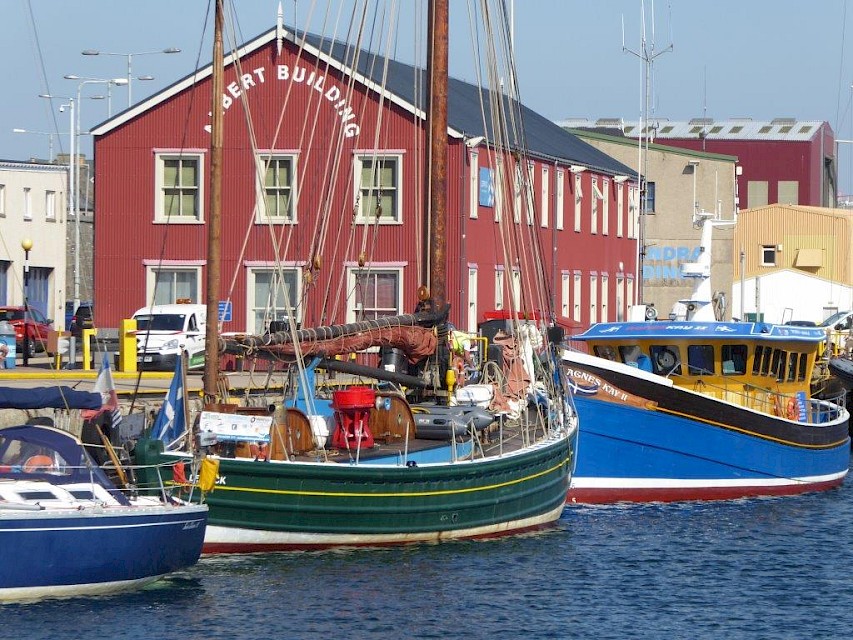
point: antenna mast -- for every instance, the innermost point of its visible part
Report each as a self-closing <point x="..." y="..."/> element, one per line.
<point x="648" y="55"/>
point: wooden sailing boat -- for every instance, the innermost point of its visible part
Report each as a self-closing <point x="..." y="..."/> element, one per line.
<point x="401" y="466"/>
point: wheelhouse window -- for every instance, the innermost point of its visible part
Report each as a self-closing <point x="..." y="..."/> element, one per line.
<point x="378" y="185"/>
<point x="733" y="357"/>
<point x="180" y="193"/>
<point x="277" y="197"/>
<point x="666" y="359"/>
<point x="779" y="364"/>
<point x="275" y="297"/>
<point x="173" y="284"/>
<point x="604" y="351"/>
<point x="374" y="293"/>
<point x="700" y="360"/>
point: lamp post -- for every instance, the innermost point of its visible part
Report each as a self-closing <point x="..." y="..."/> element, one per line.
<point x="129" y="56"/>
<point x="109" y="82"/>
<point x="26" y="245"/>
<point x="49" y="135"/>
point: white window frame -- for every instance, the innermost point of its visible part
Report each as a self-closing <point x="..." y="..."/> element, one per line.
<point x="362" y="158"/>
<point x="263" y="159"/>
<point x="620" y="297"/>
<point x="578" y="201"/>
<point x="516" y="287"/>
<point x="472" y="298"/>
<point x="633" y="211"/>
<point x="372" y="270"/>
<point x="474" y="184"/>
<point x="546" y="196"/>
<point x="605" y="293"/>
<point x="28" y="203"/>
<point x="499" y="288"/>
<point x="50" y="205"/>
<point x="765" y="250"/>
<point x="500" y="189"/>
<point x="593" y="298"/>
<point x="629" y="292"/>
<point x="620" y="210"/>
<point x="561" y="200"/>
<point x="593" y="210"/>
<point x="160" y="157"/>
<point x="173" y="267"/>
<point x="528" y="189"/>
<point x="576" y="296"/>
<point x="2" y="199"/>
<point x="565" y="293"/>
<point x="279" y="313"/>
<point x="517" y="185"/>
<point x="605" y="207"/>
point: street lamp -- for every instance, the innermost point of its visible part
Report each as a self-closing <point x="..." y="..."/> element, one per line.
<point x="26" y="245"/>
<point x="129" y="56"/>
<point x="109" y="82"/>
<point x="49" y="134"/>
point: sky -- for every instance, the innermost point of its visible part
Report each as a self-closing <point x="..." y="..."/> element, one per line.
<point x="729" y="58"/>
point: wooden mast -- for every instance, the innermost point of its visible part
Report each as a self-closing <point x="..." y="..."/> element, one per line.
<point x="437" y="161"/>
<point x="214" y="231"/>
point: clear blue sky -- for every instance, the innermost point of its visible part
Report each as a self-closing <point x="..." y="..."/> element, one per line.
<point x="731" y="58"/>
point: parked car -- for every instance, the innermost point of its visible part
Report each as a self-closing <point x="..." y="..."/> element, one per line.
<point x="83" y="318"/>
<point x="37" y="327"/>
<point x="801" y="323"/>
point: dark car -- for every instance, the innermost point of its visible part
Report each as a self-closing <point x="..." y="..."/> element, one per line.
<point x="37" y="327"/>
<point x="801" y="323"/>
<point x="83" y="318"/>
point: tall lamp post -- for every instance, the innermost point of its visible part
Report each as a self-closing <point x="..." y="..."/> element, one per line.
<point x="129" y="56"/>
<point x="109" y="82"/>
<point x="26" y="245"/>
<point x="49" y="135"/>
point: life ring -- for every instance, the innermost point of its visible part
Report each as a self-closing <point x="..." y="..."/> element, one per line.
<point x="792" y="410"/>
<point x="38" y="463"/>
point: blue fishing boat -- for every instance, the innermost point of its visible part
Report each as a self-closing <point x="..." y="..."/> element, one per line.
<point x="697" y="408"/>
<point x="67" y="530"/>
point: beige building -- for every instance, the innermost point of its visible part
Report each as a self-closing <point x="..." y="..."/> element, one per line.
<point x="680" y="181"/>
<point x="794" y="263"/>
<point x="33" y="207"/>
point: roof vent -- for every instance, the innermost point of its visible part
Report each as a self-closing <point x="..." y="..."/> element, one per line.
<point x="701" y="121"/>
<point x="608" y="122"/>
<point x="790" y="121"/>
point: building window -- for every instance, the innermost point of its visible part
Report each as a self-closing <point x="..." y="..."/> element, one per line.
<point x="50" y="205"/>
<point x="789" y="192"/>
<point x="167" y="286"/>
<point x="516" y="287"/>
<point x="500" y="189"/>
<point x="561" y="200"/>
<point x="565" y="292"/>
<point x="546" y="196"/>
<point x="277" y="197"/>
<point x="593" y="216"/>
<point x="472" y="299"/>
<point x="650" y="197"/>
<point x="576" y="297"/>
<point x="28" y="204"/>
<point x="473" y="185"/>
<point x="605" y="294"/>
<point x="578" y="200"/>
<point x="629" y="292"/>
<point x="633" y="211"/>
<point x="620" y="298"/>
<point x="180" y="191"/>
<point x="499" y="288"/>
<point x="605" y="207"/>
<point x="768" y="255"/>
<point x="528" y="189"/>
<point x="593" y="298"/>
<point x="517" y="186"/>
<point x="378" y="188"/>
<point x="620" y="210"/>
<point x="374" y="293"/>
<point x="2" y="199"/>
<point x="756" y="193"/>
<point x="274" y="297"/>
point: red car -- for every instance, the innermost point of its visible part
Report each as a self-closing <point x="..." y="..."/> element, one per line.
<point x="37" y="327"/>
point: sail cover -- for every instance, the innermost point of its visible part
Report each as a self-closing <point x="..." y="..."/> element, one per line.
<point x="48" y="398"/>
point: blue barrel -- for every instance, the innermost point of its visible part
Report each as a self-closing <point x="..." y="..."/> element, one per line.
<point x="7" y="345"/>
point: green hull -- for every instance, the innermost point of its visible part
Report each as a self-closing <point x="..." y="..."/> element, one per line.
<point x="268" y="506"/>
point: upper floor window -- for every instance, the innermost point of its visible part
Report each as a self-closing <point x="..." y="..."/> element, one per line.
<point x="2" y="199"/>
<point x="768" y="255"/>
<point x="50" y="205"/>
<point x="28" y="204"/>
<point x="279" y="189"/>
<point x="180" y="189"/>
<point x="378" y="188"/>
<point x="173" y="284"/>
<point x="650" y="197"/>
<point x="375" y="292"/>
<point x="274" y="296"/>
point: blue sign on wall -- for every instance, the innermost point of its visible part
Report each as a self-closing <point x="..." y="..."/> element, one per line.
<point x="487" y="188"/>
<point x="225" y="311"/>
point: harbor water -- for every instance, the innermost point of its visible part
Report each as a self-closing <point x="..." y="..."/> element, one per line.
<point x="763" y="568"/>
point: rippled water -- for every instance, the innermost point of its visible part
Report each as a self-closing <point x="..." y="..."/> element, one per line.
<point x="770" y="568"/>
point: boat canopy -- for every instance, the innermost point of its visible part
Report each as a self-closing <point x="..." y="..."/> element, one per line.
<point x="49" y="398"/>
<point x="619" y="331"/>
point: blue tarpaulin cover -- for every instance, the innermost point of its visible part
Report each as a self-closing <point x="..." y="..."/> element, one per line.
<point x="49" y="398"/>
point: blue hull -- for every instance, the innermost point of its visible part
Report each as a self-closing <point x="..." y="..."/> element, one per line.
<point x="67" y="553"/>
<point x="628" y="453"/>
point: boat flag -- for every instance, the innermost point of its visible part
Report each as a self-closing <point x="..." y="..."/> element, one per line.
<point x="170" y="424"/>
<point x="105" y="385"/>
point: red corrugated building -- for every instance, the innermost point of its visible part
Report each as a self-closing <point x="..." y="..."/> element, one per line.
<point x="151" y="168"/>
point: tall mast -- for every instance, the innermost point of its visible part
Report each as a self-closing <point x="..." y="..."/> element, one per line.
<point x="214" y="250"/>
<point x="437" y="161"/>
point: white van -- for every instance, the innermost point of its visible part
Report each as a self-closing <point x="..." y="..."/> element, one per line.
<point x="165" y="331"/>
